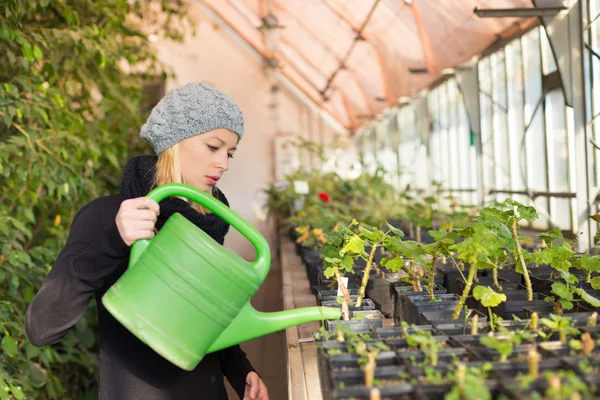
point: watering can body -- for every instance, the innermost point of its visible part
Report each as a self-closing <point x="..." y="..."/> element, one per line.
<point x="185" y="295"/>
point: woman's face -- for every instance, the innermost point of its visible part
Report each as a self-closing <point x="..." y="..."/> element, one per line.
<point x="204" y="158"/>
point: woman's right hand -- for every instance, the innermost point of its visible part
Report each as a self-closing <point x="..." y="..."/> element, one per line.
<point x="136" y="219"/>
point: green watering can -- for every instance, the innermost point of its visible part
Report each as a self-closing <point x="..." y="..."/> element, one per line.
<point x="185" y="295"/>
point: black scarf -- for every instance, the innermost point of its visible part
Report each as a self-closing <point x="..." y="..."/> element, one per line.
<point x="138" y="180"/>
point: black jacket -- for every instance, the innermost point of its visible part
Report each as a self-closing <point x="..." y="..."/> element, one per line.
<point x="93" y="258"/>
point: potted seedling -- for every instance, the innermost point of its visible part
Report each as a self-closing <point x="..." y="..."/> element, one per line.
<point x="489" y="299"/>
<point x="558" y="324"/>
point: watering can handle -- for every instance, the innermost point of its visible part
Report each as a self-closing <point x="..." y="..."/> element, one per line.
<point x="263" y="253"/>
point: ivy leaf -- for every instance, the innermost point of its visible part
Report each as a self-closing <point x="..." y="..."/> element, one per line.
<point x="437" y="235"/>
<point x="397" y="231"/>
<point x="487" y="296"/>
<point x="561" y="290"/>
<point x="10" y="345"/>
<point x="354" y="245"/>
<point x="588" y="297"/>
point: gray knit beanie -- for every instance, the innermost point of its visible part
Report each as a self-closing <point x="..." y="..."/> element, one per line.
<point x="188" y="111"/>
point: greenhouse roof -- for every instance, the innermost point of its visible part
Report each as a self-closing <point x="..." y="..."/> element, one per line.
<point x="355" y="58"/>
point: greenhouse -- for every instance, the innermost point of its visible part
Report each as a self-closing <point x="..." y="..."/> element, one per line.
<point x="299" y="199"/>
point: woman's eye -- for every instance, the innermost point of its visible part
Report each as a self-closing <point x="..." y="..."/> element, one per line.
<point x="230" y="155"/>
<point x="212" y="148"/>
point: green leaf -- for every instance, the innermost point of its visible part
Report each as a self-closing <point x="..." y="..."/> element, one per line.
<point x="561" y="290"/>
<point x="397" y="231"/>
<point x="330" y="251"/>
<point x="590" y="264"/>
<point x="17" y="392"/>
<point x="10" y="345"/>
<point x="588" y="297"/>
<point x="354" y="245"/>
<point x="487" y="296"/>
<point x="566" y="304"/>
<point x="527" y="212"/>
<point x="374" y="236"/>
<point x="550" y="236"/>
<point x="334" y="238"/>
<point x="596" y="283"/>
<point x="37" y="52"/>
<point x="394" y="265"/>
<point x="36" y="375"/>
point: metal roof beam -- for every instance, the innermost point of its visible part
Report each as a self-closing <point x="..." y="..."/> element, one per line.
<point x="519" y="12"/>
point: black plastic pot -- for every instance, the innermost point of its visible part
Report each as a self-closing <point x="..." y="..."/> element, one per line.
<point x="417" y="304"/>
<point x="400" y="392"/>
<point x="439" y="317"/>
<point x="357" y="377"/>
<point x="439" y="392"/>
<point x="515" y="301"/>
<point x="509" y="274"/>
<point x="332" y="294"/>
<point x="445" y="356"/>
<point x="401" y="292"/>
<point x="510" y="370"/>
<point x="380" y="291"/>
<point x="450" y="274"/>
<point x="396" y="332"/>
<point x="402" y="344"/>
<point x="373" y="320"/>
<point x="366" y="304"/>
<point x="350" y="361"/>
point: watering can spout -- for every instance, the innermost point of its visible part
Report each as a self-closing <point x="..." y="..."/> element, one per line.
<point x="250" y="323"/>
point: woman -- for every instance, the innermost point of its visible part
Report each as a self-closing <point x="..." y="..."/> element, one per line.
<point x="194" y="130"/>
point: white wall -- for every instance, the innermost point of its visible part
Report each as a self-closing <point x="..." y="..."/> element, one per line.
<point x="216" y="56"/>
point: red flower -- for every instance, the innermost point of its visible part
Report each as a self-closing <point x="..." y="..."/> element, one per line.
<point x="325" y="197"/>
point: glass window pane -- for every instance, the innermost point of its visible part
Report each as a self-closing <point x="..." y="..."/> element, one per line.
<point x="548" y="62"/>
<point x="535" y="139"/>
<point x="514" y="70"/>
<point x="556" y="136"/>
<point x="499" y="121"/>
<point x="485" y="99"/>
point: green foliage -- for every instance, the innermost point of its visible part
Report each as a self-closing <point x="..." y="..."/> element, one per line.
<point x="487" y="296"/>
<point x="70" y="113"/>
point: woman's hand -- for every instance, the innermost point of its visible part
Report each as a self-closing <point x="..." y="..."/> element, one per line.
<point x="136" y="218"/>
<point x="255" y="388"/>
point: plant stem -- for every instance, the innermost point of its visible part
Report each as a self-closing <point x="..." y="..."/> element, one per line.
<point x="465" y="293"/>
<point x="461" y="377"/>
<point x="415" y="280"/>
<point x="346" y="296"/>
<point x="365" y="279"/>
<point x="474" y="324"/>
<point x="592" y="319"/>
<point x="588" y="277"/>
<point x="433" y="352"/>
<point x="495" y="276"/>
<point x="492" y="326"/>
<point x="375" y="394"/>
<point x="520" y="259"/>
<point x="418" y="233"/>
<point x="562" y="334"/>
<point x="534" y="322"/>
<point x="370" y="369"/>
<point x="431" y="283"/>
<point x="534" y="366"/>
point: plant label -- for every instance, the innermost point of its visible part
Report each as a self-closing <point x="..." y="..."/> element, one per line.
<point x="345" y="282"/>
<point x="301" y="187"/>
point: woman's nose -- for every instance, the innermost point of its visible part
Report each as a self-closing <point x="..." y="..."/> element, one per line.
<point x="223" y="162"/>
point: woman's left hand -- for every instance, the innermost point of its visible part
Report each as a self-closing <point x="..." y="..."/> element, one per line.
<point x="255" y="388"/>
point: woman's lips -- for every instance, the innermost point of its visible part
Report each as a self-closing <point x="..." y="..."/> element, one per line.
<point x="212" y="180"/>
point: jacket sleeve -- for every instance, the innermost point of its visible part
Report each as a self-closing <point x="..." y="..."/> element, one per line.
<point x="94" y="250"/>
<point x="235" y="367"/>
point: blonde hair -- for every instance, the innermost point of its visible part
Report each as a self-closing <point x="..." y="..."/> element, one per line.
<point x="168" y="170"/>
